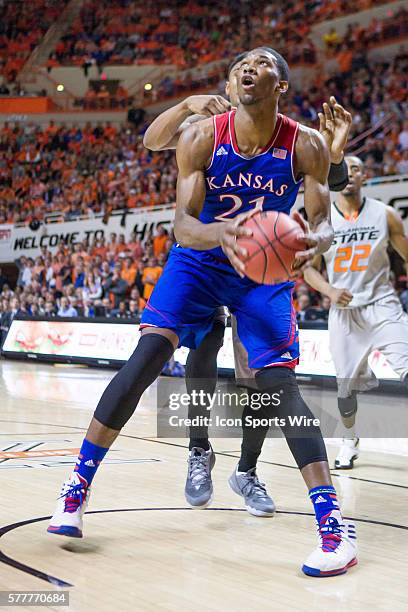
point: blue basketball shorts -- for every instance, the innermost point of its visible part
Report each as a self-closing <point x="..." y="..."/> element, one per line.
<point x="194" y="284"/>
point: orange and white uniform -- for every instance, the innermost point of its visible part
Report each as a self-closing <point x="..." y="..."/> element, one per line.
<point x="374" y="319"/>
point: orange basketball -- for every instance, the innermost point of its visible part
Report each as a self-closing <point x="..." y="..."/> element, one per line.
<point x="272" y="247"/>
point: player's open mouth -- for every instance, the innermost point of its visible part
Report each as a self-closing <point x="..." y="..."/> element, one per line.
<point x="247" y="81"/>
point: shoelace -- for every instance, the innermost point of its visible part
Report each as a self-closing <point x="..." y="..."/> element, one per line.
<point x="74" y="496"/>
<point x="330" y="531"/>
<point x="198" y="468"/>
<point x="254" y="487"/>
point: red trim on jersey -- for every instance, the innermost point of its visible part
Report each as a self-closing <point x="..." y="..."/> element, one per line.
<point x="272" y="142"/>
<point x="215" y="142"/>
<point x="222" y="135"/>
<point x="287" y="134"/>
<point x="285" y="364"/>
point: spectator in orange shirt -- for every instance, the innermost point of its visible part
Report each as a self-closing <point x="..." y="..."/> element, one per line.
<point x="151" y="275"/>
<point x="135" y="246"/>
<point x="100" y="248"/>
<point x="128" y="272"/>
<point x="121" y="246"/>
<point x="159" y="241"/>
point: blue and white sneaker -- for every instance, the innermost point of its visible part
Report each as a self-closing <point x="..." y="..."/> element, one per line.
<point x="71" y="505"/>
<point x="337" y="548"/>
<point x="199" y="488"/>
<point x="248" y="486"/>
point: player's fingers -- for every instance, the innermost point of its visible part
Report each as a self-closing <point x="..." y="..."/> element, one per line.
<point x="332" y="100"/>
<point x="223" y="104"/>
<point x="308" y="239"/>
<point x="296" y="216"/>
<point x="327" y="112"/>
<point x="236" y="263"/>
<point x="213" y="108"/>
<point x="247" y="215"/>
<point x="217" y="108"/>
<point x="304" y="256"/>
<point x="230" y="242"/>
<point x="242" y="231"/>
<point x="207" y="110"/>
<point x="322" y="122"/>
<point x="338" y="111"/>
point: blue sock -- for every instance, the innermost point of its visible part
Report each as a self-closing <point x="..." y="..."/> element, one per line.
<point x="89" y="458"/>
<point x="324" y="500"/>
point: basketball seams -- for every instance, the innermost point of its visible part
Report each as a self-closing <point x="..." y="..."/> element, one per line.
<point x="262" y="246"/>
<point x="279" y="238"/>
<point x="271" y="246"/>
<point x="273" y="241"/>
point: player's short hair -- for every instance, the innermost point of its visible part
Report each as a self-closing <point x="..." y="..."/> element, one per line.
<point x="282" y="64"/>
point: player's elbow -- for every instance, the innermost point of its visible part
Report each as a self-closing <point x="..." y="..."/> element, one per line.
<point x="150" y="142"/>
<point x="180" y="234"/>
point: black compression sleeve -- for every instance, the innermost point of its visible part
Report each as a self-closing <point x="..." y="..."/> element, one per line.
<point x="338" y="176"/>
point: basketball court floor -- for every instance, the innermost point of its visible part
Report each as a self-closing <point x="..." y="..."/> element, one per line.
<point x="145" y="550"/>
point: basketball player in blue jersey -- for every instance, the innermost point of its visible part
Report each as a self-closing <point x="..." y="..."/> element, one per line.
<point x="264" y="156"/>
<point x="201" y="365"/>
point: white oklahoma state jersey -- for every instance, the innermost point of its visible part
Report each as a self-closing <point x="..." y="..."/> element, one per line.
<point x="358" y="259"/>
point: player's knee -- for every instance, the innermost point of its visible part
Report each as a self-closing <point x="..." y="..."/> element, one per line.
<point x="214" y="340"/>
<point x="348" y="405"/>
<point x="123" y="393"/>
<point x="206" y="352"/>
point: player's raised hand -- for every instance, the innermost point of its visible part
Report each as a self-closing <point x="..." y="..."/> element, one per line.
<point x="229" y="232"/>
<point x="335" y="123"/>
<point x="208" y="105"/>
<point x="340" y="297"/>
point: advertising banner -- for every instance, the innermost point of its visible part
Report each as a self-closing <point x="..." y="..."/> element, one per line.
<point x="99" y="342"/>
<point x="17" y="241"/>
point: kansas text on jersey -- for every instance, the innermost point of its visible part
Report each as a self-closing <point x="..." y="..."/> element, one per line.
<point x="235" y="184"/>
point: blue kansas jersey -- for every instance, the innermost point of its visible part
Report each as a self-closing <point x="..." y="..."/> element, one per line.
<point x="236" y="184"/>
<point x="195" y="283"/>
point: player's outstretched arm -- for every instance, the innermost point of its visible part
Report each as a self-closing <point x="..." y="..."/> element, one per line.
<point x="314" y="278"/>
<point x="398" y="235"/>
<point x="194" y="152"/>
<point x="335" y="123"/>
<point x="312" y="161"/>
<point x="163" y="133"/>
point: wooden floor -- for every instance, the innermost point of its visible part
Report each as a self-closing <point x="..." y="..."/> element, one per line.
<point x="144" y="550"/>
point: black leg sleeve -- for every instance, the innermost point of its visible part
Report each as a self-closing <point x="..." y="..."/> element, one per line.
<point x="304" y="439"/>
<point x="121" y="396"/>
<point x="252" y="437"/>
<point x="201" y="374"/>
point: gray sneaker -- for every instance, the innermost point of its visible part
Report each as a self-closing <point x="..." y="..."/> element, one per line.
<point x="199" y="488"/>
<point x="247" y="485"/>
